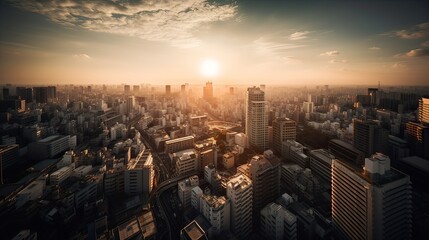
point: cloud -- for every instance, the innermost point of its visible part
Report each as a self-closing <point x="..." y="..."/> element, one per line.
<point x="291" y="60"/>
<point x="399" y="66"/>
<point x="82" y="56"/>
<point x="425" y="44"/>
<point x="415" y="32"/>
<point x="330" y="53"/>
<point x="299" y="35"/>
<point x="170" y="21"/>
<point x="338" y="61"/>
<point x="418" y="53"/>
<point x="273" y="46"/>
<point x="374" y="48"/>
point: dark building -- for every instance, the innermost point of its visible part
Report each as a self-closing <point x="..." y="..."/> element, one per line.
<point x="41" y="94"/>
<point x="167" y="89"/>
<point x="369" y="137"/>
<point x="417" y="135"/>
<point x="346" y="152"/>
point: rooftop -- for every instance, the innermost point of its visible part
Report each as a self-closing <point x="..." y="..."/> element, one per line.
<point x="417" y="162"/>
<point x="194" y="231"/>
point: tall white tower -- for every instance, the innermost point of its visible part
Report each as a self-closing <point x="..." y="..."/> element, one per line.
<point x="256" y="118"/>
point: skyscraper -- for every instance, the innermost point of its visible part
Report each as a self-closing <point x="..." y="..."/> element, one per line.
<point x="41" y="94"/>
<point x="167" y="89"/>
<point x="239" y="192"/>
<point x="130" y="104"/>
<point x="127" y="89"/>
<point x="417" y="135"/>
<point x="373" y="202"/>
<point x="424" y="110"/>
<point x="208" y="91"/>
<point x="283" y="129"/>
<point x="256" y="118"/>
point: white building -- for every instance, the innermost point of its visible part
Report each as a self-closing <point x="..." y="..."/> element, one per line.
<point x="239" y="191"/>
<point x="196" y="193"/>
<point x="184" y="190"/>
<point x="228" y="160"/>
<point x="139" y="175"/>
<point x="371" y="203"/>
<point x="217" y="211"/>
<point x="256" y="118"/>
<point x="186" y="161"/>
<point x="278" y="223"/>
<point x="60" y="175"/>
<point x="49" y="147"/>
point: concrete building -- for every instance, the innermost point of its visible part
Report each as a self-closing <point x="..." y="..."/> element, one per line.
<point x="217" y="211"/>
<point x="346" y="152"/>
<point x="283" y="129"/>
<point x="320" y="163"/>
<point x="185" y="188"/>
<point x="278" y="223"/>
<point x="417" y="135"/>
<point x="424" y="110"/>
<point x="193" y="231"/>
<point x="369" y="137"/>
<point x="264" y="171"/>
<point x="294" y="151"/>
<point x="185" y="161"/>
<point x="373" y="202"/>
<point x="196" y="194"/>
<point x="256" y="119"/>
<point x="239" y="192"/>
<point x="140" y="173"/>
<point x="60" y="175"/>
<point x="48" y="147"/>
<point x="228" y="160"/>
<point x="9" y="156"/>
<point x="179" y="144"/>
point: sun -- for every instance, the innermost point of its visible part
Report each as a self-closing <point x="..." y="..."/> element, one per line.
<point x="209" y="68"/>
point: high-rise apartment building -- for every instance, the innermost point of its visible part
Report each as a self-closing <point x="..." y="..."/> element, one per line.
<point x="278" y="223"/>
<point x="256" y="118"/>
<point x="373" y="202"/>
<point x="239" y="192"/>
<point x="264" y="171"/>
<point x="283" y="129"/>
<point x="217" y="211"/>
<point x="185" y="190"/>
<point x="369" y="137"/>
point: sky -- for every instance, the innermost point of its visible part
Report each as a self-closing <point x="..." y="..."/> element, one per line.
<point x="249" y="42"/>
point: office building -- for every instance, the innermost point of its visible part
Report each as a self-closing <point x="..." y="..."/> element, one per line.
<point x="167" y="89"/>
<point x="294" y="151"/>
<point x="185" y="190"/>
<point x="278" y="223"/>
<point x="217" y="211"/>
<point x="424" y="110"/>
<point x="398" y="149"/>
<point x="373" y="202"/>
<point x="369" y="137"/>
<point x="185" y="161"/>
<point x="283" y="129"/>
<point x="256" y="119"/>
<point x="345" y="151"/>
<point x="417" y="136"/>
<point x="239" y="192"/>
<point x="127" y="89"/>
<point x="131" y="102"/>
<point x="139" y="175"/>
<point x="60" y="175"/>
<point x="179" y="144"/>
<point x="320" y="163"/>
<point x="40" y="94"/>
<point x="208" y="91"/>
<point x="136" y="88"/>
<point x="9" y="156"/>
<point x="49" y="147"/>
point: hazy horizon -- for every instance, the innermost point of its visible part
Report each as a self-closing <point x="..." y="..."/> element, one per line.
<point x="353" y="43"/>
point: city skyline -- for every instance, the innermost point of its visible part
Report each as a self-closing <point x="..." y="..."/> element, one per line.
<point x="225" y="42"/>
